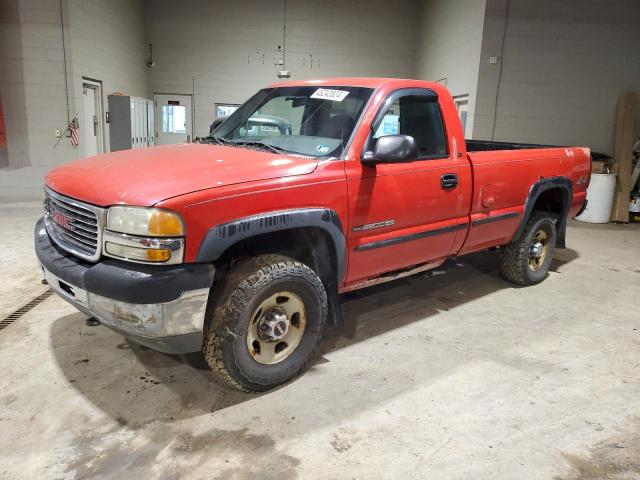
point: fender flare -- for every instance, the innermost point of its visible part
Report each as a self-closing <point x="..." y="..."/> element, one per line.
<point x="220" y="237"/>
<point x="544" y="184"/>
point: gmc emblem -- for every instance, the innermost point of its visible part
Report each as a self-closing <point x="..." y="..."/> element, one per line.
<point x="62" y="220"/>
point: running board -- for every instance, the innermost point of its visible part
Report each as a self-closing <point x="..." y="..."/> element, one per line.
<point x="387" y="277"/>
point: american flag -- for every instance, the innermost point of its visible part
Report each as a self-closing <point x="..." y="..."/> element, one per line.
<point x="75" y="132"/>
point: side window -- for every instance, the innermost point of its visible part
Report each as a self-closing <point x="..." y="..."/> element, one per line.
<point x="418" y="116"/>
<point x="390" y="124"/>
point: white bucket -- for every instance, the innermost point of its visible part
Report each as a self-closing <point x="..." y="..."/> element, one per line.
<point x="599" y="198"/>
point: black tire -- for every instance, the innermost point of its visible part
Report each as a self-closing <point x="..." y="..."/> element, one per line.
<point x="247" y="285"/>
<point x="515" y="261"/>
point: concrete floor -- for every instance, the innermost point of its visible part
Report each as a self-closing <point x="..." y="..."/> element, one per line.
<point x="453" y="374"/>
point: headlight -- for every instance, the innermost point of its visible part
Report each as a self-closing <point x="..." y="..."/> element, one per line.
<point x="144" y="235"/>
<point x="144" y="222"/>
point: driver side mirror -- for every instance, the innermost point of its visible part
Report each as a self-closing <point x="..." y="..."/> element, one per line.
<point x="392" y="149"/>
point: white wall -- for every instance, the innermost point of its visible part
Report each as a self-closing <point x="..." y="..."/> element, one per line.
<point x="230" y="46"/>
<point x="449" y="46"/>
<point x="104" y="40"/>
<point x="32" y="83"/>
<point x="564" y="65"/>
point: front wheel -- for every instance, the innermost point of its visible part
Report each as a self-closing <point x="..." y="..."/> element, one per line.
<point x="526" y="260"/>
<point x="266" y="324"/>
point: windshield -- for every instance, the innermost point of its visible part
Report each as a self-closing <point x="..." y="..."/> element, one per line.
<point x="310" y="121"/>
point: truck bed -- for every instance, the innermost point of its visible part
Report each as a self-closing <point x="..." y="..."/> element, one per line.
<point x="503" y="174"/>
<point x="486" y="145"/>
<point x="490" y="145"/>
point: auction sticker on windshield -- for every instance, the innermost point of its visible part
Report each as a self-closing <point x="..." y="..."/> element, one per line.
<point x="330" y="94"/>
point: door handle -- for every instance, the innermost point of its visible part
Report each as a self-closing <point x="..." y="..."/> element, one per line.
<point x="449" y="180"/>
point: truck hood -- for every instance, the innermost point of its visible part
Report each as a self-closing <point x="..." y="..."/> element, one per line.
<point x="147" y="176"/>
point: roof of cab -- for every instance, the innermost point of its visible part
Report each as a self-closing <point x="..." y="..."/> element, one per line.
<point x="369" y="82"/>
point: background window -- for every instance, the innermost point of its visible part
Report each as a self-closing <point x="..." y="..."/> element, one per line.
<point x="174" y="119"/>
<point x="225" y="109"/>
<point x="418" y="116"/>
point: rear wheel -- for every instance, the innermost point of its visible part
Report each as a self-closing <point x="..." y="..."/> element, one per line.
<point x="266" y="323"/>
<point x="526" y="260"/>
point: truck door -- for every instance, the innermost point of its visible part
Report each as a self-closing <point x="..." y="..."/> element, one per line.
<point x="404" y="214"/>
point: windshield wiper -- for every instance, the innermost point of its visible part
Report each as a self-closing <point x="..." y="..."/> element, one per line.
<point x="242" y="143"/>
<point x="256" y="143"/>
<point x="218" y="140"/>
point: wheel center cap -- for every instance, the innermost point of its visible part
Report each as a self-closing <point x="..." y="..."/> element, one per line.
<point x="280" y="328"/>
<point x="273" y="326"/>
<point x="536" y="250"/>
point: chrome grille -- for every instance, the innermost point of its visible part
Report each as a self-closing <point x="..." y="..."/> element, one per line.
<point x="73" y="225"/>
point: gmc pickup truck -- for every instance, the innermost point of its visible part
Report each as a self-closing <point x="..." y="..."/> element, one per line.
<point x="240" y="244"/>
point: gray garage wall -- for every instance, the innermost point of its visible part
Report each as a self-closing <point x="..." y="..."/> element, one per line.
<point x="107" y="42"/>
<point x="32" y="82"/>
<point x="104" y="40"/>
<point x="563" y="67"/>
<point x="449" y="46"/>
<point x="230" y="46"/>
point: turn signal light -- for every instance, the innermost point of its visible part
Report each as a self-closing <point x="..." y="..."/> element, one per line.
<point x="134" y="253"/>
<point x="165" y="224"/>
<point x="158" y="254"/>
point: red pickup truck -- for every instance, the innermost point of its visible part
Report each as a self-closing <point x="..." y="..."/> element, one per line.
<point x="240" y="244"/>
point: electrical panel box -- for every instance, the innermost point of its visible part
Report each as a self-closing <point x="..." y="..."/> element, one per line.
<point x="131" y="122"/>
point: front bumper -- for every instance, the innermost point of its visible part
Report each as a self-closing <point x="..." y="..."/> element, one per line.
<point x="161" y="307"/>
